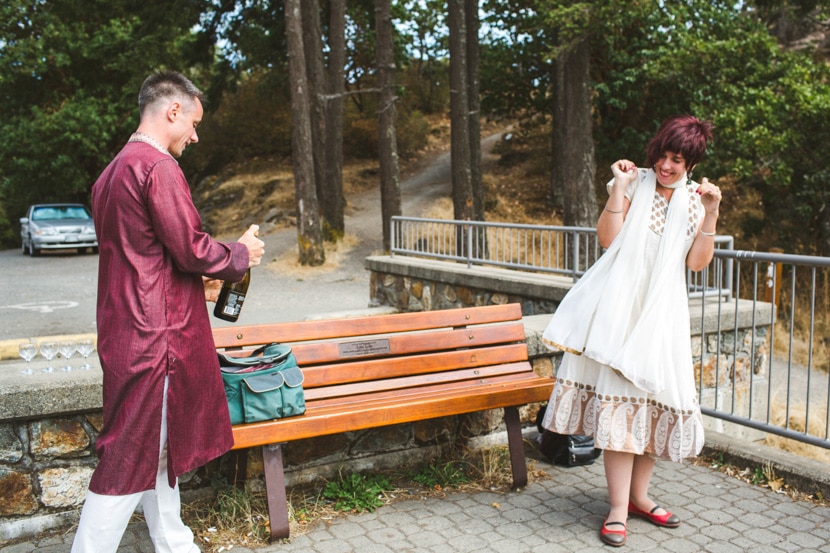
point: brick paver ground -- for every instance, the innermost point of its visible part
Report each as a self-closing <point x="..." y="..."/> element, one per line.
<point x="721" y="514"/>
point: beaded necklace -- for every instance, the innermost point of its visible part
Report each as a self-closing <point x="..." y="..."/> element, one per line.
<point x="147" y="139"/>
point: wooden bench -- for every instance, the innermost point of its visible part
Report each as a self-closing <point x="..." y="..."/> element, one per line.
<point x="381" y="370"/>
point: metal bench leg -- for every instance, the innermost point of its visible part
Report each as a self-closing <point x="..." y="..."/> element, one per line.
<point x="275" y="491"/>
<point x="238" y="472"/>
<point x="515" y="444"/>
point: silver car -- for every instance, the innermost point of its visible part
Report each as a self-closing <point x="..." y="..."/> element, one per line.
<point x="57" y="227"/>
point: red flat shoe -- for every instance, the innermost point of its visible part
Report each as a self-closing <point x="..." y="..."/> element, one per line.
<point x="612" y="537"/>
<point x="668" y="520"/>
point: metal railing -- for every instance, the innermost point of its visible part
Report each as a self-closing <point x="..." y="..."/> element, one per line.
<point x="789" y="394"/>
<point x="561" y="250"/>
<point x="550" y="249"/>
<point x="788" y="389"/>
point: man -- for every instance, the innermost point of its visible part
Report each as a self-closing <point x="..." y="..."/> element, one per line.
<point x="165" y="411"/>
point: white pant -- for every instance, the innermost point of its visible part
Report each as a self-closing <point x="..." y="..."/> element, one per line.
<point x="105" y="517"/>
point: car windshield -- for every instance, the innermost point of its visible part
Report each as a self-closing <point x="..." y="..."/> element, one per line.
<point x="60" y="212"/>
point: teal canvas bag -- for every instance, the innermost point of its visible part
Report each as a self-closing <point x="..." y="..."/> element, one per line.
<point x="263" y="386"/>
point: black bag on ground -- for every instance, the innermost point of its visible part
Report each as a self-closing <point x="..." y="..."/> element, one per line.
<point x="266" y="385"/>
<point x="560" y="449"/>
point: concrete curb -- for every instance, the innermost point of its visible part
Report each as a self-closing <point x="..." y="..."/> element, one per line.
<point x="802" y="473"/>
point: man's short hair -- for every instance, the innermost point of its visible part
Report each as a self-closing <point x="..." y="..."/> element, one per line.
<point x="167" y="85"/>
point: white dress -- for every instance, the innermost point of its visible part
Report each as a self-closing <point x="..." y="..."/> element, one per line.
<point x="627" y="377"/>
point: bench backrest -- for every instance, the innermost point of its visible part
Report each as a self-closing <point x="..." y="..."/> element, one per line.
<point x="402" y="349"/>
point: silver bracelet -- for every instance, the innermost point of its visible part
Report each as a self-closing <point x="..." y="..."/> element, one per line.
<point x="708" y="233"/>
<point x="612" y="211"/>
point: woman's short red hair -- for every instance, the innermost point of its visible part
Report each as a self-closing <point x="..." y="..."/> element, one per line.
<point x="684" y="134"/>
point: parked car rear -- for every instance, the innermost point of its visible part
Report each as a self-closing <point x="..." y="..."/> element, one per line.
<point x="57" y="227"/>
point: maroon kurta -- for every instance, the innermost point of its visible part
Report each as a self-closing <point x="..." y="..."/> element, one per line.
<point x="153" y="322"/>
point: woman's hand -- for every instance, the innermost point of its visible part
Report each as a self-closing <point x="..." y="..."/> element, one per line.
<point x="710" y="196"/>
<point x="624" y="173"/>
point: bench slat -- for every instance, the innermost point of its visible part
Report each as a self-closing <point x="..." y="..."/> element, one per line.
<point x="429" y="403"/>
<point x="403" y="384"/>
<point x="240" y="336"/>
<point x="331" y="374"/>
<point x="456" y="386"/>
<point x="405" y="344"/>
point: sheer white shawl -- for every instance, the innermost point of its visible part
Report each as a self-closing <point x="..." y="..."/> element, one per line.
<point x="601" y="316"/>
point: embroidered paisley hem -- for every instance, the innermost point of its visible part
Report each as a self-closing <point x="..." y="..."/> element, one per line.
<point x="638" y="425"/>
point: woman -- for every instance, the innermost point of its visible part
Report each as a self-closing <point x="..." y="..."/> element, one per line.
<point x="626" y="377"/>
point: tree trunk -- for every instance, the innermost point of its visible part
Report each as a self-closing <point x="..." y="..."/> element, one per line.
<point x="474" y="106"/>
<point x="460" y="157"/>
<point x="574" y="168"/>
<point x="390" y="186"/>
<point x="332" y="201"/>
<point x="313" y="50"/>
<point x="309" y="232"/>
<point x="479" y="191"/>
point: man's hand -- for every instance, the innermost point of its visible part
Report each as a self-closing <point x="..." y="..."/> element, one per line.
<point x="256" y="247"/>
<point x="212" y="288"/>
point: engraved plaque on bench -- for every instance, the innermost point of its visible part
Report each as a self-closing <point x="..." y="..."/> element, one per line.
<point x="364" y="347"/>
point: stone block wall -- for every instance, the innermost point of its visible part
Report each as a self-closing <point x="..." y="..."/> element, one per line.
<point x="408" y="294"/>
<point x="725" y="357"/>
<point x="45" y="464"/>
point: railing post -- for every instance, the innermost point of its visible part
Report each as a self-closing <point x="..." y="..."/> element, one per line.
<point x="575" y="254"/>
<point x="773" y="289"/>
<point x="392" y="238"/>
<point x="469" y="230"/>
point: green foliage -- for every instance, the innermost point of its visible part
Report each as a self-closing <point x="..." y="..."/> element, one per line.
<point x="425" y="74"/>
<point x="770" y="106"/>
<point x="449" y="474"/>
<point x="759" y="476"/>
<point x="252" y="120"/>
<point x="712" y="58"/>
<point x="72" y="70"/>
<point x="356" y="492"/>
<point x="515" y="70"/>
<point x="69" y="84"/>
<point x="360" y="131"/>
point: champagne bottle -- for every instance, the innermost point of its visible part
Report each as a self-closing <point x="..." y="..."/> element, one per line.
<point x="231" y="297"/>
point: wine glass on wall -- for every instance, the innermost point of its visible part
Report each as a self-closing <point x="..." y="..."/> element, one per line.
<point x="67" y="349"/>
<point x="28" y="351"/>
<point x="85" y="347"/>
<point x="49" y="350"/>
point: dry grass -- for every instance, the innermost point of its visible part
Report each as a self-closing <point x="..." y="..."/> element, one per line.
<point x="288" y="263"/>
<point x="804" y="350"/>
<point x="796" y="421"/>
<point x="240" y="196"/>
